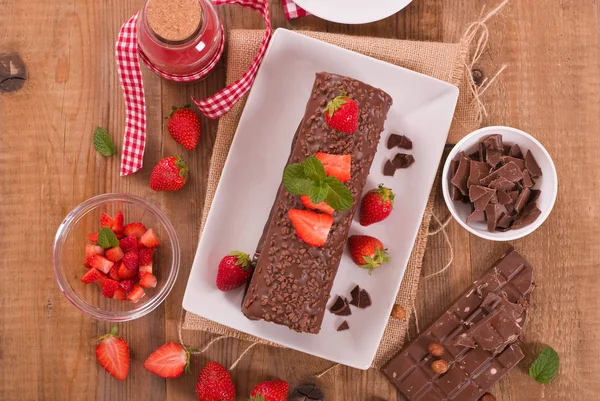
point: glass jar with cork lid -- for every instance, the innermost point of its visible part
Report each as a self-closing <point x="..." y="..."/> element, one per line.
<point x="181" y="38"/>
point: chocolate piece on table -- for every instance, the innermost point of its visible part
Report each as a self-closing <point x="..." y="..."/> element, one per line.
<point x="522" y="200"/>
<point x="476" y="217"/>
<point x="532" y="166"/>
<point x="515" y="151"/>
<point x="402" y="160"/>
<point x="291" y="285"/>
<point x="401" y="141"/>
<point x="510" y="171"/>
<point x="343" y="326"/>
<point x="364" y="299"/>
<point x="354" y="294"/>
<point x="471" y="371"/>
<point x="493" y="157"/>
<point x="459" y="180"/>
<point x="494" y="142"/>
<point x="389" y="169"/>
<point x="307" y="392"/>
<point x="527" y="181"/>
<point x="477" y="170"/>
<point x="527" y="216"/>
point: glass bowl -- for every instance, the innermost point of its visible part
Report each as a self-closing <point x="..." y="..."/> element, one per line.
<point x="69" y="253"/>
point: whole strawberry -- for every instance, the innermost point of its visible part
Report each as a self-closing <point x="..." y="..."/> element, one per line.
<point x="169" y="174"/>
<point x="215" y="384"/>
<point x="367" y="252"/>
<point x="184" y="126"/>
<point x="234" y="271"/>
<point x="112" y="353"/>
<point x="270" y="391"/>
<point x="376" y="205"/>
<point x="342" y="114"/>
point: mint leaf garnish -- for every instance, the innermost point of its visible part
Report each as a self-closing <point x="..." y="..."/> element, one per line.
<point x="338" y="196"/>
<point x="318" y="193"/>
<point x="103" y="143"/>
<point x="545" y="367"/>
<point x="295" y="181"/>
<point x="107" y="239"/>
<point x="309" y="178"/>
<point x="313" y="169"/>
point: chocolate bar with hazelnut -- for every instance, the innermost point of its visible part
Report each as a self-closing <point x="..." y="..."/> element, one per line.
<point x="495" y="303"/>
<point x="292" y="280"/>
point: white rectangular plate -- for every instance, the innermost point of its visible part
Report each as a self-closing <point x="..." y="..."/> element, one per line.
<point x="422" y="110"/>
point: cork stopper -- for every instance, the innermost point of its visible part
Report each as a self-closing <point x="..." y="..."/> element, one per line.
<point x="174" y="21"/>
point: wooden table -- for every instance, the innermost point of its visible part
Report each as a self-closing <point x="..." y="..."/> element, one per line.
<point x="48" y="165"/>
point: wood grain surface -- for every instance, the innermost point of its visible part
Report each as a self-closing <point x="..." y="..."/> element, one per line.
<point x="551" y="89"/>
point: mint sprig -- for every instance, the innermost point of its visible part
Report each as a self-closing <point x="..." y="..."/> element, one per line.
<point x="107" y="239"/>
<point x="309" y="178"/>
<point x="545" y="367"/>
<point x="102" y="142"/>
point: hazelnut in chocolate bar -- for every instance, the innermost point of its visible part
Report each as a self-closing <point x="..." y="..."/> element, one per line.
<point x="474" y="343"/>
<point x="298" y="255"/>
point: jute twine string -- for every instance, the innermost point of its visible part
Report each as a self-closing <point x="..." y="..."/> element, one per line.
<point x="477" y="33"/>
<point x="479" y="30"/>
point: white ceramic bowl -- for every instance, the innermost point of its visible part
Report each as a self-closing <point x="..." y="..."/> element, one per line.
<point x="547" y="183"/>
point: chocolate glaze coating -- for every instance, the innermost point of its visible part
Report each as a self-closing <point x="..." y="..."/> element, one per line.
<point x="292" y="280"/>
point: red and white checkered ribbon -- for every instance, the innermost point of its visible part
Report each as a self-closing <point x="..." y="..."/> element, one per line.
<point x="292" y="10"/>
<point x="128" y="55"/>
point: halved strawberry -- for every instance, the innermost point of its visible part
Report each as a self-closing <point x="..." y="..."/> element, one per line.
<point x="134" y="229"/>
<point x="146" y="268"/>
<point x="127" y="285"/>
<point x="113" y="274"/>
<point x="120" y="294"/>
<point x="169" y="361"/>
<point x="145" y="256"/>
<point x="113" y="355"/>
<point x="130" y="260"/>
<point x="337" y="166"/>
<point x="124" y="273"/>
<point x="147" y="280"/>
<point x="320" y="207"/>
<point x="100" y="281"/>
<point x="99" y="262"/>
<point x="91" y="276"/>
<point x="136" y="294"/>
<point x="106" y="221"/>
<point x="149" y="239"/>
<point x="114" y="254"/>
<point x="93" y="237"/>
<point x="312" y="228"/>
<point x="109" y="287"/>
<point x="129" y="244"/>
<point x="117" y="226"/>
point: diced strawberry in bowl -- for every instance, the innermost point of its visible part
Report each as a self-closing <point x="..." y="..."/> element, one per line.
<point x="112" y="250"/>
<point x="149" y="239"/>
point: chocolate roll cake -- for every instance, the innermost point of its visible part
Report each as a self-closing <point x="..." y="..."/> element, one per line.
<point x="292" y="280"/>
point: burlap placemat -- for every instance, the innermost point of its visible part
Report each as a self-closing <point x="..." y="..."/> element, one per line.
<point x="444" y="61"/>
